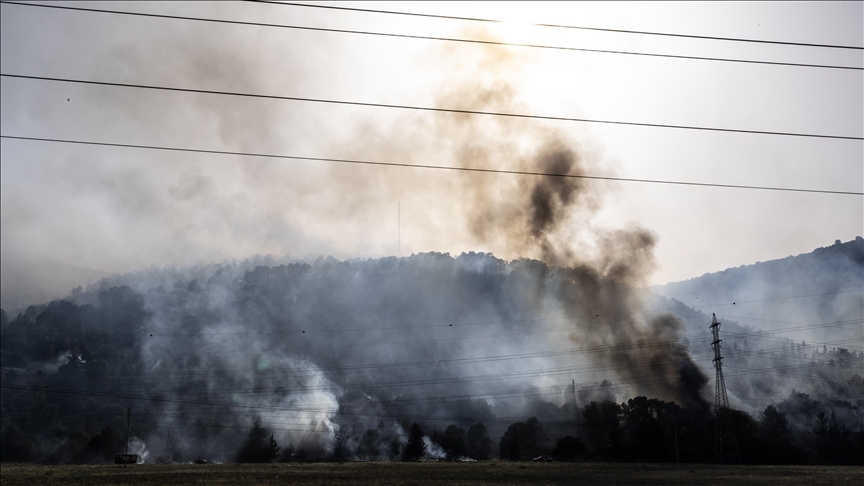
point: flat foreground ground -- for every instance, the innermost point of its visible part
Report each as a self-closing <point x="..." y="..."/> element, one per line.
<point x="429" y="473"/>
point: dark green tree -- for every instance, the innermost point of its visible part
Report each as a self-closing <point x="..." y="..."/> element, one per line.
<point x="832" y="438"/>
<point x="602" y="423"/>
<point x="522" y="441"/>
<point x="415" y="448"/>
<point x="369" y="442"/>
<point x="453" y="441"/>
<point x="478" y="445"/>
<point x="568" y="448"/>
<point x="774" y="422"/>
<point x="258" y="447"/>
<point x="772" y="444"/>
<point x="105" y="444"/>
<point x="15" y="446"/>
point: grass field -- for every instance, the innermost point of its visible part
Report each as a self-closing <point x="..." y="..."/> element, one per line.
<point x="428" y="473"/>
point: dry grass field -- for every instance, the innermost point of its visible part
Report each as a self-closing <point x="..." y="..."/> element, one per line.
<point x="428" y="473"/>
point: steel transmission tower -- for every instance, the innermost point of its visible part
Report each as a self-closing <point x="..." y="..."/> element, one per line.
<point x="725" y="446"/>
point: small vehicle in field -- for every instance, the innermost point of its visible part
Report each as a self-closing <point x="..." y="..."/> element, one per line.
<point x="125" y="458"/>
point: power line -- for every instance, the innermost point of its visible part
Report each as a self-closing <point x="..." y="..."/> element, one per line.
<point x="776" y="298"/>
<point x="140" y="378"/>
<point x="458" y="324"/>
<point x="580" y="368"/>
<point x="442" y="39"/>
<point x="428" y="108"/>
<point x="755" y="335"/>
<point x="563" y="371"/>
<point x="332" y="411"/>
<point x="445" y="324"/>
<point x="448" y="323"/>
<point x="325" y="408"/>
<point x="499" y="394"/>
<point x="744" y="318"/>
<point x="798" y="327"/>
<point x="588" y="367"/>
<point x="592" y="368"/>
<point x="490" y="336"/>
<point x="426" y="166"/>
<point x="560" y="26"/>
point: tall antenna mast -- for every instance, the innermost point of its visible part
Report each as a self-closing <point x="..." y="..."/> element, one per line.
<point x="128" y="422"/>
<point x="724" y="435"/>
<point x="399" y="231"/>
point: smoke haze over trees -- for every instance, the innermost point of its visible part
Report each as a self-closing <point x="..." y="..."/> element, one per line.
<point x="472" y="356"/>
<point x="829" y="278"/>
<point x="334" y="357"/>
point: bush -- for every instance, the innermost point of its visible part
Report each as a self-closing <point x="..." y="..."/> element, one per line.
<point x="568" y="448"/>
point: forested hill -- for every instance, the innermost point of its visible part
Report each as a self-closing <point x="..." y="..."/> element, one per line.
<point x="821" y="289"/>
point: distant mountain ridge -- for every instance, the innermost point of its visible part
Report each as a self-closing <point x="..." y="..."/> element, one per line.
<point x="822" y="290"/>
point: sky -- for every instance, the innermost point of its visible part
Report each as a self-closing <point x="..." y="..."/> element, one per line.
<point x="70" y="214"/>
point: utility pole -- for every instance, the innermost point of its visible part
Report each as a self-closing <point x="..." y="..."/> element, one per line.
<point x="724" y="435"/>
<point x="128" y="422"/>
<point x="127" y="458"/>
<point x="675" y="431"/>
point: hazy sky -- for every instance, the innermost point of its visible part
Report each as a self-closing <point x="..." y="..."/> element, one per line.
<point x="71" y="213"/>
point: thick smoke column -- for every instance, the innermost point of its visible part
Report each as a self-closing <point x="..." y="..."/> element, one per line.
<point x="327" y="352"/>
<point x="551" y="218"/>
<point x="590" y="275"/>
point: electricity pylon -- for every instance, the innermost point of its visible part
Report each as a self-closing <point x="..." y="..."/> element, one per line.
<point x="725" y="446"/>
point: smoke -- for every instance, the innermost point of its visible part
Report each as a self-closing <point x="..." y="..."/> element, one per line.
<point x="434" y="450"/>
<point x="137" y="446"/>
<point x="60" y="360"/>
<point x="327" y="351"/>
<point x="585" y="275"/>
<point x="551" y="219"/>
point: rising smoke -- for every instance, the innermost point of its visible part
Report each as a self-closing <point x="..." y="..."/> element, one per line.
<point x="336" y="354"/>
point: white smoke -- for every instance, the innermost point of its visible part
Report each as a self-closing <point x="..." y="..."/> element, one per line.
<point x="137" y="446"/>
<point x="434" y="450"/>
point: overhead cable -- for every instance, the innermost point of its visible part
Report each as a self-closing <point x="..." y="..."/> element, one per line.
<point x="560" y="26"/>
<point x="427" y="108"/>
<point x="426" y="166"/>
<point x="326" y="408"/>
<point x="442" y="39"/>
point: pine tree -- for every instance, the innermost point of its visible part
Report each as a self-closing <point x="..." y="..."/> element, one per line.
<point x="257" y="447"/>
<point x="477" y="442"/>
<point x="415" y="448"/>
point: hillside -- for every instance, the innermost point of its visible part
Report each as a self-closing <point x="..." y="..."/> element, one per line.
<point x="821" y="290"/>
<point x="341" y="359"/>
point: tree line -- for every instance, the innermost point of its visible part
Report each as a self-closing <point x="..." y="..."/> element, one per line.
<point x="641" y="429"/>
<point x="97" y="349"/>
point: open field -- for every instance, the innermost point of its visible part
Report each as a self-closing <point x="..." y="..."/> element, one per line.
<point x="429" y="473"/>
